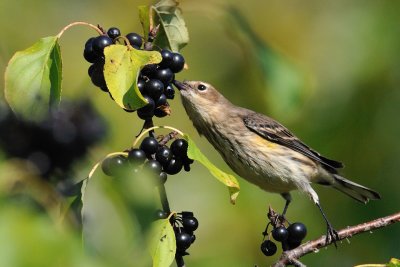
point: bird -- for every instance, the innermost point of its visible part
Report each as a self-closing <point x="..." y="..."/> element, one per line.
<point x="263" y="151"/>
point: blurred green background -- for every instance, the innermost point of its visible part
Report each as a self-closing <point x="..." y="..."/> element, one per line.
<point x="328" y="70"/>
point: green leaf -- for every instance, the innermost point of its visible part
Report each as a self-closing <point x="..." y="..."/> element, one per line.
<point x="121" y="70"/>
<point x="394" y="262"/>
<point x="162" y="243"/>
<point x="173" y="33"/>
<point x="144" y="17"/>
<point x="33" y="79"/>
<point x="227" y="179"/>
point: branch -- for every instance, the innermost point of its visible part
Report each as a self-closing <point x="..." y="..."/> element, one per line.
<point x="292" y="256"/>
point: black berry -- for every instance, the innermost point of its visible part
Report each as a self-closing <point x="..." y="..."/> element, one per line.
<point x="166" y="58"/>
<point x="149" y="145"/>
<point x="169" y="92"/>
<point x="280" y="234"/>
<point x="140" y="85"/>
<point x="154" y="88"/>
<point x="100" y="43"/>
<point x="113" y="32"/>
<point x="136" y="157"/>
<point x="134" y="39"/>
<point x="113" y="166"/>
<point x="160" y="113"/>
<point x="174" y="166"/>
<point x="297" y="231"/>
<point x="268" y="248"/>
<point x="178" y="62"/>
<point x="161" y="101"/>
<point x="160" y="214"/>
<point x="164" y="75"/>
<point x="163" y="177"/>
<point x="179" y="148"/>
<point x="147" y="111"/>
<point x="163" y="155"/>
<point x="149" y="70"/>
<point x="183" y="241"/>
<point x="190" y="224"/>
<point x="153" y="166"/>
<point x="290" y="244"/>
<point x="88" y="52"/>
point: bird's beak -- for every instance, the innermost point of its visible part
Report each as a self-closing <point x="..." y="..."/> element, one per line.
<point x="181" y="86"/>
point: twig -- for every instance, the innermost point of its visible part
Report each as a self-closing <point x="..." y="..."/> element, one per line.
<point x="292" y="256"/>
<point x="168" y="137"/>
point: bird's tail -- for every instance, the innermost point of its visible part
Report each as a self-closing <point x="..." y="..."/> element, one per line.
<point x="354" y="190"/>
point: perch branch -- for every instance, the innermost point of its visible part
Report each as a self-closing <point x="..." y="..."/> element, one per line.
<point x="292" y="256"/>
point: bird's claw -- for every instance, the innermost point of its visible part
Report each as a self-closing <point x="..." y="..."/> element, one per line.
<point x="331" y="235"/>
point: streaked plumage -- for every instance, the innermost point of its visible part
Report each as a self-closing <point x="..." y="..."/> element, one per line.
<point x="261" y="150"/>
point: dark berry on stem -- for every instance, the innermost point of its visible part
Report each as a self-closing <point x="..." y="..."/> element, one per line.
<point x="134" y="39"/>
<point x="178" y="62"/>
<point x="88" y="52"/>
<point x="154" y="88"/>
<point x="100" y="43"/>
<point x="174" y="166"/>
<point x="97" y="77"/>
<point x="163" y="154"/>
<point x="193" y="238"/>
<point x="166" y="58"/>
<point x="140" y="85"/>
<point x="113" y="32"/>
<point x="179" y="148"/>
<point x="190" y="224"/>
<point x="147" y="111"/>
<point x="183" y="241"/>
<point x="164" y="75"/>
<point x="160" y="214"/>
<point x="160" y="113"/>
<point x="290" y="244"/>
<point x="161" y="101"/>
<point x="297" y="231"/>
<point x="268" y="248"/>
<point x="153" y="166"/>
<point x="149" y="70"/>
<point x="169" y="92"/>
<point x="149" y="145"/>
<point x="136" y="157"/>
<point x="187" y="214"/>
<point x="113" y="166"/>
<point x="163" y="177"/>
<point x="91" y="70"/>
<point x="280" y="234"/>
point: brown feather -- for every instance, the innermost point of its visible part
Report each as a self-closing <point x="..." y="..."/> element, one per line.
<point x="276" y="132"/>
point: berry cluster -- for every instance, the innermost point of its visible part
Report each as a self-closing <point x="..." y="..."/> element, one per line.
<point x="152" y="156"/>
<point x="155" y="80"/>
<point x="94" y="53"/>
<point x="56" y="142"/>
<point x="155" y="84"/>
<point x="290" y="238"/>
<point x="184" y="224"/>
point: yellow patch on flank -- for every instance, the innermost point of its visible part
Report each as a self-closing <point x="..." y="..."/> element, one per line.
<point x="263" y="142"/>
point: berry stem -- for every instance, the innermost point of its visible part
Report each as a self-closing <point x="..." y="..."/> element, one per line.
<point x="80" y="23"/>
<point x="152" y="129"/>
<point x="168" y="137"/>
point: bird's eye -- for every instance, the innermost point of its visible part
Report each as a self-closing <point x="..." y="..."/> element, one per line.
<point x="201" y="87"/>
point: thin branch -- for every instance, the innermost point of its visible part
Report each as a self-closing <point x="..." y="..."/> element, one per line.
<point x="292" y="256"/>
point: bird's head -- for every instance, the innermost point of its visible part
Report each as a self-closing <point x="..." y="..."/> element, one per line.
<point x="202" y="102"/>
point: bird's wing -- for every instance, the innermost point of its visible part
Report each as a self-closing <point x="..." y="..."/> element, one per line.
<point x="277" y="133"/>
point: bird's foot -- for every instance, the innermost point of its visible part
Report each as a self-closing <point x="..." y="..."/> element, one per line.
<point x="331" y="235"/>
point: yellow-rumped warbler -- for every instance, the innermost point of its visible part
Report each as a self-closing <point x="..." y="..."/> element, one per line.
<point x="263" y="151"/>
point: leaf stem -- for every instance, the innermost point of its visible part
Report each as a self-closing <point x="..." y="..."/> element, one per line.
<point x="99" y="31"/>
